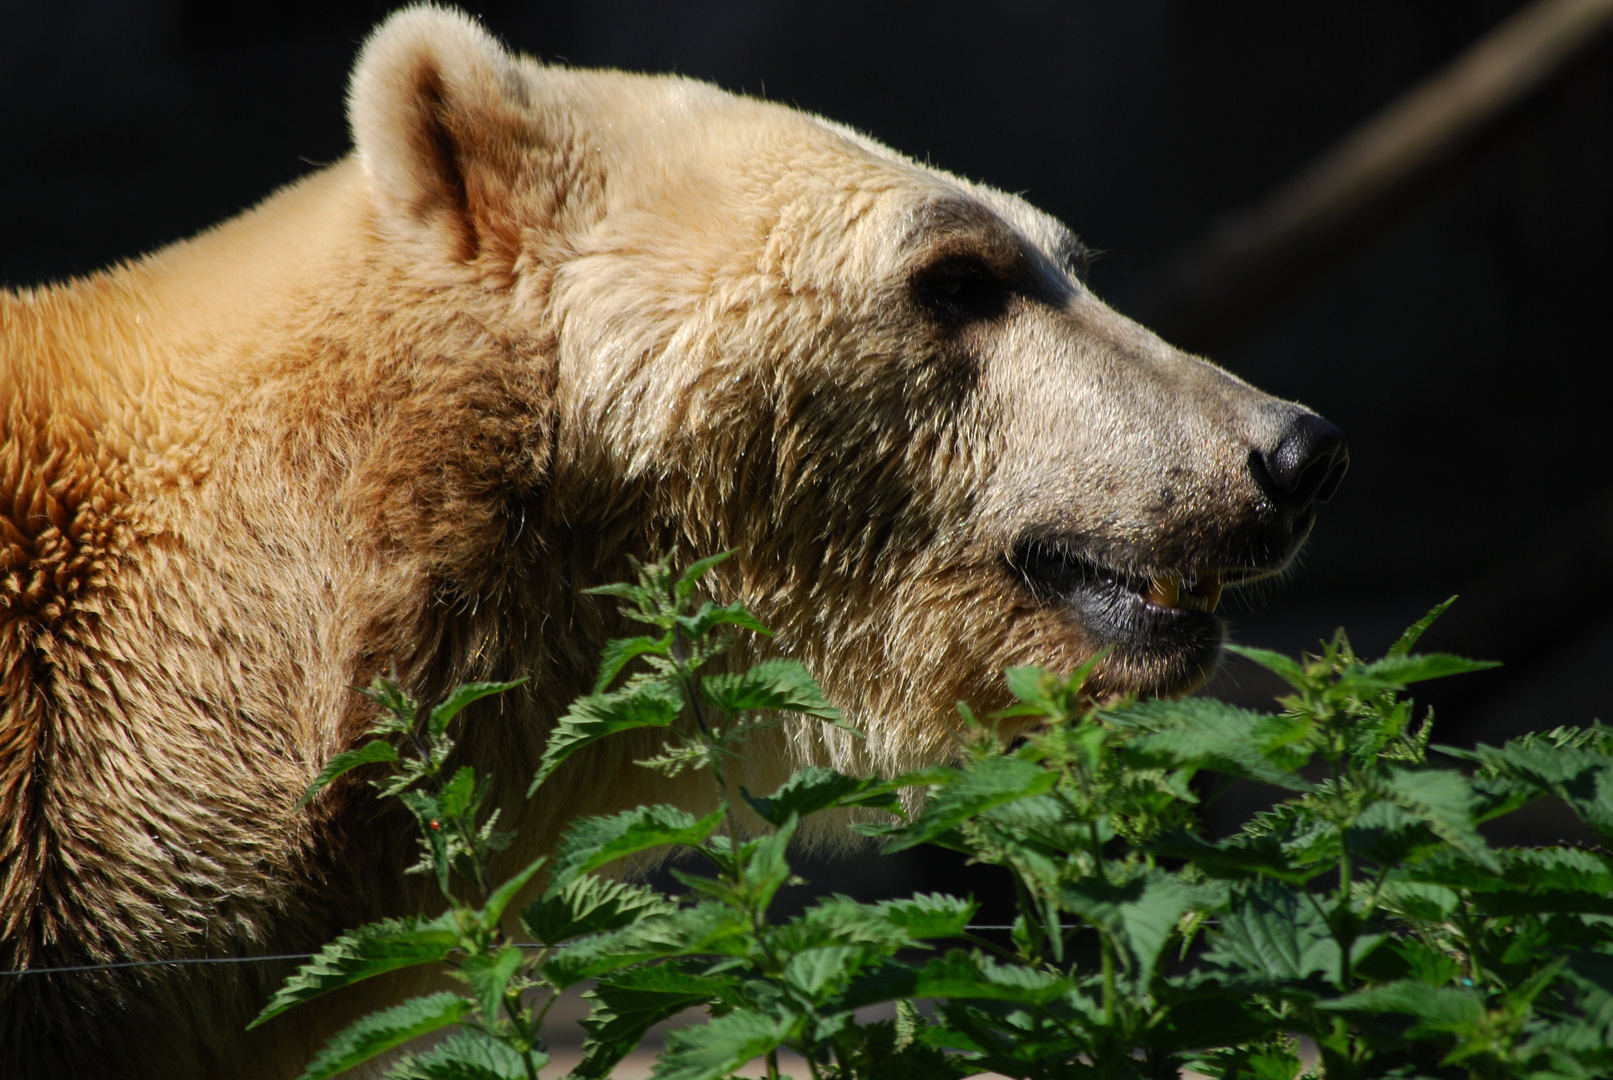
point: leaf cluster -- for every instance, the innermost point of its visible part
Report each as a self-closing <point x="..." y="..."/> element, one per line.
<point x="1366" y="912"/>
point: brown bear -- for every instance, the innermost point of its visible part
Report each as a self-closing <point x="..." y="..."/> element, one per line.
<point x="404" y="411"/>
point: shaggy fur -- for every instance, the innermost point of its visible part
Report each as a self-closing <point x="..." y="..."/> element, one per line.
<point x="404" y="411"/>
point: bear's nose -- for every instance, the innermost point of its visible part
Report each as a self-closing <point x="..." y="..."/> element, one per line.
<point x="1306" y="465"/>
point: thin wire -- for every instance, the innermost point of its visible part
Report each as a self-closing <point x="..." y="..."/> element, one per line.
<point x="194" y="960"/>
<point x="180" y="961"/>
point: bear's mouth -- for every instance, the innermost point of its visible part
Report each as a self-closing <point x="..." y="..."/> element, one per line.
<point x="1157" y="619"/>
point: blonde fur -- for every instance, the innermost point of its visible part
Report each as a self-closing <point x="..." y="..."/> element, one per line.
<point x="405" y="410"/>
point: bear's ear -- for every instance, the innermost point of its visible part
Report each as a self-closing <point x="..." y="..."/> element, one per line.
<point x="437" y="109"/>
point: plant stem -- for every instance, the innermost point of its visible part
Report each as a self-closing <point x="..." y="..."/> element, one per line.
<point x="1346" y="870"/>
<point x="690" y="681"/>
<point x="1055" y="929"/>
<point x="1109" y="1003"/>
<point x="991" y="947"/>
<point x="1465" y="929"/>
<point x="512" y="1005"/>
<point x="1097" y="851"/>
<point x="421" y="747"/>
<point x="1023" y="896"/>
<point x="537" y="1021"/>
<point x="1342" y="922"/>
<point x="482" y="881"/>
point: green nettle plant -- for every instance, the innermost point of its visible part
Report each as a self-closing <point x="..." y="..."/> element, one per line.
<point x="1367" y="912"/>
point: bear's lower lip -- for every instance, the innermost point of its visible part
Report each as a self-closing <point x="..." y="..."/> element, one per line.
<point x="1149" y="620"/>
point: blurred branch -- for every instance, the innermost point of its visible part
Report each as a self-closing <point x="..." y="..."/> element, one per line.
<point x="1221" y="284"/>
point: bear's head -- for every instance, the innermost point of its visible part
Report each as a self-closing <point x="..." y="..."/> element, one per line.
<point x="936" y="452"/>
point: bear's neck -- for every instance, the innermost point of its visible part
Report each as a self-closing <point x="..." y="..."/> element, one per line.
<point x="277" y="361"/>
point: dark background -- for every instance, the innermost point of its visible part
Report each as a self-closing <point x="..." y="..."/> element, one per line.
<point x="1462" y="341"/>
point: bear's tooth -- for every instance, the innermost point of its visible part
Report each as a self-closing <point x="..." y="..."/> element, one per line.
<point x="1206" y="593"/>
<point x="1164" y="592"/>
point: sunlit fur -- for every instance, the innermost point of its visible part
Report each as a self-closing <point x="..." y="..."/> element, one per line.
<point x="404" y="411"/>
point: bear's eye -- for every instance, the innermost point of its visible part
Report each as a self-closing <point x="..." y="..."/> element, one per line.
<point x="962" y="288"/>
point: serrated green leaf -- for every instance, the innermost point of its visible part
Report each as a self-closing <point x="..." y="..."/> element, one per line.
<point x="427" y="809"/>
<point x="1444" y="800"/>
<point x="1238" y="857"/>
<point x="710" y="1051"/>
<point x="959" y="974"/>
<point x="816" y="972"/>
<point x="679" y="978"/>
<point x="1568" y="764"/>
<point x="838" y="920"/>
<point x="380" y="1031"/>
<point x="690" y="578"/>
<point x="1388" y="833"/>
<point x="930" y="915"/>
<point x="619" y="653"/>
<point x="386" y="692"/>
<point x="368" y="754"/>
<point x="1018" y="1042"/>
<point x="438" y="719"/>
<point x="1528" y="880"/>
<point x="1192" y="713"/>
<point x="594" y="842"/>
<point x="942" y="1036"/>
<point x="710" y="616"/>
<point x="1274" y="934"/>
<point x="778" y="684"/>
<point x="1426" y="964"/>
<point x="626" y="1005"/>
<point x="1204" y="734"/>
<point x="887" y="1050"/>
<point x="1415" y="631"/>
<point x="1301" y="835"/>
<point x="1229" y="1020"/>
<point x="1398" y="672"/>
<point x="1291" y="671"/>
<point x="764" y="867"/>
<point x="975" y="976"/>
<point x="719" y="887"/>
<point x="1546" y="756"/>
<point x="1520" y="996"/>
<point x="815" y="788"/>
<point x="1271" y="1058"/>
<point x="469" y="1054"/>
<point x="989" y="783"/>
<point x="1044" y="693"/>
<point x="1030" y="684"/>
<point x="590" y="905"/>
<point x="636" y="595"/>
<point x="647" y="703"/>
<point x="709" y="927"/>
<point x="459" y="793"/>
<point x="1437" y="1008"/>
<point x="1038" y="833"/>
<point x="493" y="910"/>
<point x="1417" y="901"/>
<point x="365" y="952"/>
<point x="1139" y="915"/>
<point x="489" y="976"/>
